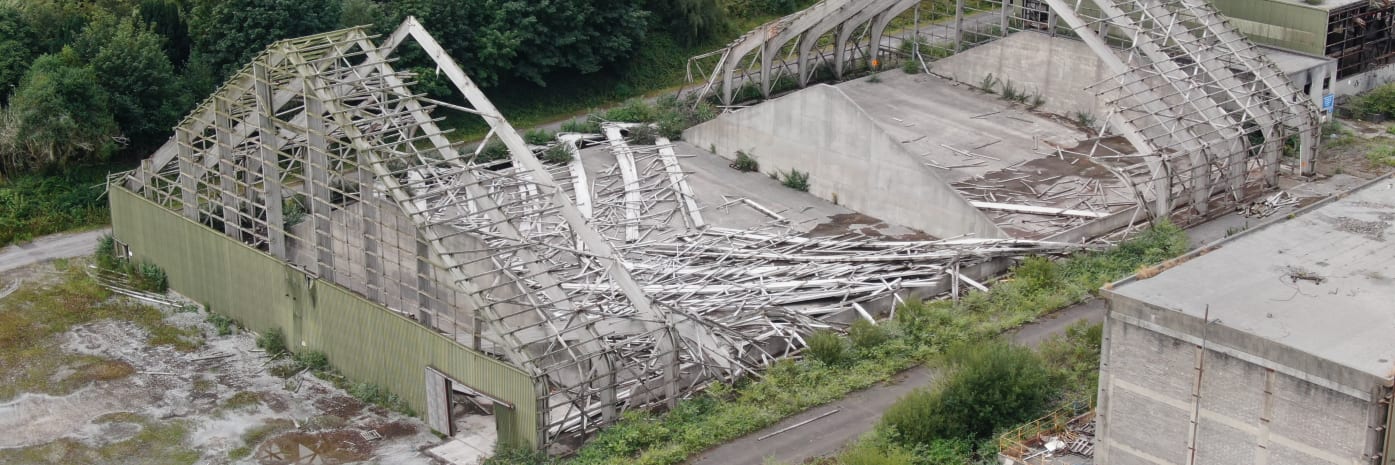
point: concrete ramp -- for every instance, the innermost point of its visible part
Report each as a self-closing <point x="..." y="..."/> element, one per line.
<point x="850" y="159"/>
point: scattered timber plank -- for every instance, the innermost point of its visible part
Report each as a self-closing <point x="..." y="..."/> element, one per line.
<point x="1035" y="210"/>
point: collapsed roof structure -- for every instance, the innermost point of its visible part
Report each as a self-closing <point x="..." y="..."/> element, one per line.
<point x="1205" y="111"/>
<point x="609" y="287"/>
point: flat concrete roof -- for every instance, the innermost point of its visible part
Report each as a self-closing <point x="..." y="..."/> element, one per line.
<point x="1293" y="62"/>
<point x="1322" y="282"/>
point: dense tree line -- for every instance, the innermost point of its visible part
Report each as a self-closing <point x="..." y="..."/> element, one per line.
<point x="83" y="81"/>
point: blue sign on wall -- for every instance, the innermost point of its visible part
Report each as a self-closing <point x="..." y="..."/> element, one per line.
<point x="1328" y="102"/>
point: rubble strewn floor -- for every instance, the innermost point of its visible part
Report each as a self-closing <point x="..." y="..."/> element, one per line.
<point x="216" y="404"/>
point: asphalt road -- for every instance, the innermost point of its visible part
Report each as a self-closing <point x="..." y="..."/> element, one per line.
<point x="66" y="245"/>
<point x="858" y="412"/>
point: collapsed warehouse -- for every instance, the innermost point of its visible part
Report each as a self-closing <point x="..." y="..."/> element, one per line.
<point x="316" y="192"/>
<point x="1204" y="115"/>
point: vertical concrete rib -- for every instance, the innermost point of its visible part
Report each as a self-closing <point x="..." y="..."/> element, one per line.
<point x="268" y="160"/>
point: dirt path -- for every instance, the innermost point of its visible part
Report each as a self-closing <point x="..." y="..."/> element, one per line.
<point x="859" y="411"/>
<point x="66" y="245"/>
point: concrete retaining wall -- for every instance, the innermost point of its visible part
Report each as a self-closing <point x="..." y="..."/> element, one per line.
<point x="364" y="340"/>
<point x="851" y="161"/>
<point x="1056" y="68"/>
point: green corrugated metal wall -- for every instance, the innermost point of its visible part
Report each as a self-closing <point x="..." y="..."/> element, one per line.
<point x="365" y="341"/>
<point x="1289" y="25"/>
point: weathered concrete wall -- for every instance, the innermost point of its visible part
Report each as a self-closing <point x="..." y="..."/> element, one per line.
<point x="851" y="160"/>
<point x="364" y="340"/>
<point x="1056" y="68"/>
<point x="1250" y="410"/>
<point x="1352" y="85"/>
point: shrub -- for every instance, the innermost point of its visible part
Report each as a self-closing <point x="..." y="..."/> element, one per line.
<point x="558" y="154"/>
<point x="988" y="83"/>
<point x="294" y="210"/>
<point x="1074" y="356"/>
<point x="493" y="151"/>
<point x="586" y="126"/>
<point x="795" y="179"/>
<point x="675" y="115"/>
<point x="986" y="387"/>
<point x="1084" y="119"/>
<point x="521" y="456"/>
<point x="32" y="205"/>
<point x="866" y="335"/>
<point x="745" y="163"/>
<point x="1011" y="93"/>
<point x="643" y="135"/>
<point x="315" y="360"/>
<point x="633" y="111"/>
<point x="1381" y="156"/>
<point x="827" y="347"/>
<point x="106" y="254"/>
<point x="1379" y="100"/>
<point x="1038" y="273"/>
<point x="911" y="66"/>
<point x="149" y="277"/>
<point x="876" y="453"/>
<point x="273" y="341"/>
<point x="538" y="137"/>
<point x="222" y="324"/>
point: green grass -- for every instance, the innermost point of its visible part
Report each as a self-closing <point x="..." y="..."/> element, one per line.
<point x="34" y="205"/>
<point x="1382" y="156"/>
<point x="161" y="442"/>
<point x="921" y="331"/>
<point x="32" y="317"/>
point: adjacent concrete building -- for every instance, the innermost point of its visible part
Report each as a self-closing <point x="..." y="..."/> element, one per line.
<point x="1269" y="347"/>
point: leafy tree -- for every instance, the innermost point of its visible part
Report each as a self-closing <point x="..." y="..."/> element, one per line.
<point x="361" y="12"/>
<point x="692" y="21"/>
<point x="166" y="17"/>
<point x="495" y="40"/>
<point x="15" y="53"/>
<point x="53" y="23"/>
<point x="146" y="96"/>
<point x="58" y="116"/>
<point x="228" y="33"/>
<point x="987" y="387"/>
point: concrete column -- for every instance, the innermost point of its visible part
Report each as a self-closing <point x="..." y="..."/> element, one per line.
<point x="806" y="48"/>
<point x="424" y="287"/>
<point x="372" y="237"/>
<point x="727" y="78"/>
<point x="767" y="61"/>
<point x="840" y="49"/>
<point x="874" y="52"/>
<point x="227" y="167"/>
<point x="1315" y="91"/>
<point x="188" y="175"/>
<point x="1162" y="188"/>
<point x="317" y="185"/>
<point x="958" y="26"/>
<point x="1307" y="153"/>
<point x="1003" y="16"/>
<point x="268" y="160"/>
<point x="1201" y="181"/>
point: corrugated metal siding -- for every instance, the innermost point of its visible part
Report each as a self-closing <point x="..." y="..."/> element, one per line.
<point x="365" y="341"/>
<point x="1281" y="24"/>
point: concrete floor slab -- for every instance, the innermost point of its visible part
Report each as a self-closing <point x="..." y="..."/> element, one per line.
<point x="927" y="113"/>
<point x="716" y="185"/>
